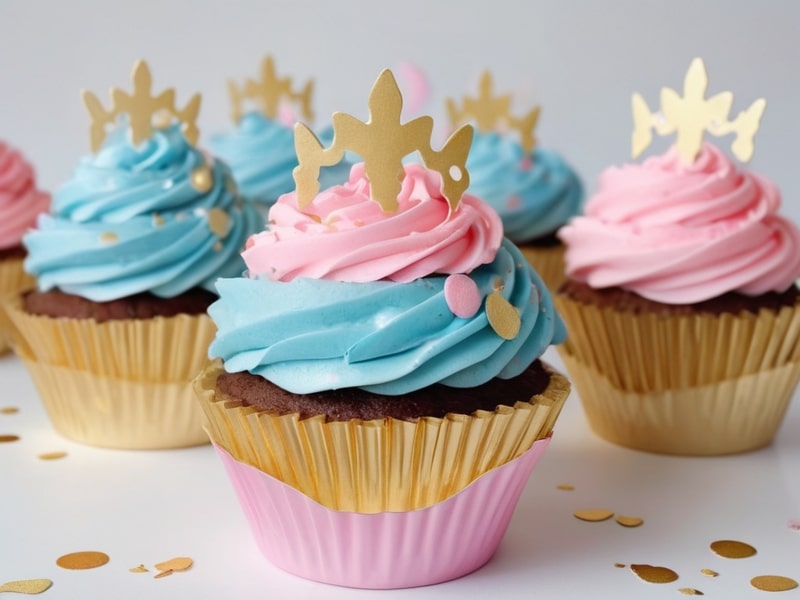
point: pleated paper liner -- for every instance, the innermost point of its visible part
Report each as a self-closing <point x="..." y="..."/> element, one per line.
<point x="383" y="464"/>
<point x="119" y="384"/>
<point x="726" y="417"/>
<point x="548" y="261"/>
<point x="160" y="349"/>
<point x="118" y="413"/>
<point x="13" y="281"/>
<point x="653" y="353"/>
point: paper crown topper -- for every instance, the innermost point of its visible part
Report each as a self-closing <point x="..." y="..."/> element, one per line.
<point x="692" y="115"/>
<point x="141" y="107"/>
<point x="492" y="113"/>
<point x="269" y="92"/>
<point x="383" y="142"/>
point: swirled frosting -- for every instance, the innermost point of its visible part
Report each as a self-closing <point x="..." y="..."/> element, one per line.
<point x="345" y="295"/>
<point x="134" y="219"/>
<point x="20" y="200"/>
<point x="261" y="155"/>
<point x="534" y="194"/>
<point x="680" y="234"/>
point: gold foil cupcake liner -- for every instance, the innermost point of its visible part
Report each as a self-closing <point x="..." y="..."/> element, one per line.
<point x="548" y="262"/>
<point x="161" y="349"/>
<point x="13" y="281"/>
<point x="118" y="413"/>
<point x="655" y="353"/>
<point x="729" y="416"/>
<point x="383" y="464"/>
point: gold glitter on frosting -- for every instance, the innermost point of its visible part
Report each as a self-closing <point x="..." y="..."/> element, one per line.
<point x="732" y="549"/>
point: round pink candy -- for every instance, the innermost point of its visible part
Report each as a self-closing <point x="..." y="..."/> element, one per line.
<point x="462" y="295"/>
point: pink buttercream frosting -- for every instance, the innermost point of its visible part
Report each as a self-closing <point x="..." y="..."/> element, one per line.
<point x="680" y="234"/>
<point x="20" y="200"/>
<point x="344" y="234"/>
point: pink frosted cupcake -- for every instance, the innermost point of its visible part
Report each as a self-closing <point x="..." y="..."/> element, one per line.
<point x="20" y="203"/>
<point x="380" y="402"/>
<point x="682" y="309"/>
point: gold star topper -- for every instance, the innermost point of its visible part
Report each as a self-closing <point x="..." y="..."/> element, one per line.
<point x="692" y="115"/>
<point x="269" y="92"/>
<point x="140" y="106"/>
<point x="383" y="142"/>
<point x="491" y="113"/>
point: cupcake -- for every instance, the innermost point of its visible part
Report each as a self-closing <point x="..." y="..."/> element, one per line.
<point x="376" y="373"/>
<point x="260" y="151"/>
<point x="126" y="264"/>
<point x="20" y="202"/>
<point x="533" y="190"/>
<point x="681" y="303"/>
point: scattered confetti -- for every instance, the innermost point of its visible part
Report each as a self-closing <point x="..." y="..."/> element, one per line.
<point x="652" y="574"/>
<point x="793" y="524"/>
<point x="158" y="220"/>
<point x="732" y="549"/>
<point x="52" y="455"/>
<point x="565" y="487"/>
<point x="27" y="586"/>
<point x="619" y="565"/>
<point x="462" y="295"/>
<point x="593" y="515"/>
<point x="9" y="410"/>
<point x="218" y="222"/>
<point x="108" y="238"/>
<point x="8" y="438"/>
<point x="773" y="583"/>
<point x="690" y="592"/>
<point x="201" y="179"/>
<point x="709" y="572"/>
<point x="161" y="574"/>
<point x="179" y="563"/>
<point x="503" y="317"/>
<point x="82" y="560"/>
<point x="139" y="569"/>
<point x="629" y="521"/>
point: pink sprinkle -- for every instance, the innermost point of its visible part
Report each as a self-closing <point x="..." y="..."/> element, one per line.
<point x="794" y="524"/>
<point x="462" y="296"/>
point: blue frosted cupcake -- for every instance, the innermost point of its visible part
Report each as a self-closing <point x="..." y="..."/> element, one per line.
<point x="126" y="264"/>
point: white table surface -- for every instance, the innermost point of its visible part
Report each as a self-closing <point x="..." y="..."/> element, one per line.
<point x="148" y="506"/>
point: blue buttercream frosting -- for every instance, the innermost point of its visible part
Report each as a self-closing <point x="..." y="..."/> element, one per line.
<point x="534" y="195"/>
<point x="261" y="155"/>
<point x="130" y="221"/>
<point x="309" y="335"/>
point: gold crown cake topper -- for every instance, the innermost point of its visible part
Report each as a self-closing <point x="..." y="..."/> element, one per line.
<point x="491" y="113"/>
<point x="383" y="142"/>
<point x="140" y="106"/>
<point x="269" y="92"/>
<point x="692" y="115"/>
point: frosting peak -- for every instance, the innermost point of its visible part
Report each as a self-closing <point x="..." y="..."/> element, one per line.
<point x="682" y="233"/>
<point x="20" y="200"/>
<point x="345" y="235"/>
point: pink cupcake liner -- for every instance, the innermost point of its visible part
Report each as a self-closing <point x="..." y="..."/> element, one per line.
<point x="384" y="550"/>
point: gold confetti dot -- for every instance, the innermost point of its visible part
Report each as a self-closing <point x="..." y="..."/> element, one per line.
<point x="161" y="574"/>
<point x="8" y="438"/>
<point x="179" y="563"/>
<point x="82" y="560"/>
<point x="218" y="222"/>
<point x="593" y="515"/>
<point x="158" y="220"/>
<point x="108" y="238"/>
<point x="732" y="549"/>
<point x="709" y="572"/>
<point x="565" y="487"/>
<point x="503" y="317"/>
<point x="217" y="246"/>
<point x="773" y="583"/>
<point x="619" y="565"/>
<point x="629" y="521"/>
<point x="690" y="592"/>
<point x="9" y="410"/>
<point x="139" y="569"/>
<point x="652" y="574"/>
<point x="52" y="455"/>
<point x="27" y="586"/>
<point x="201" y="179"/>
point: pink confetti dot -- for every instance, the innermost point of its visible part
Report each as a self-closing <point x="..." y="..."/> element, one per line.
<point x="513" y="202"/>
<point x="462" y="296"/>
<point x="794" y="524"/>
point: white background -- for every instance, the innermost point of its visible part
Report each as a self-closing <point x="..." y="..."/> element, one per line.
<point x="581" y="60"/>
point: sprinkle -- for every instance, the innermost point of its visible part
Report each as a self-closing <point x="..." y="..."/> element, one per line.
<point x="594" y="515"/>
<point x="732" y="549"/>
<point x="773" y="583"/>
<point x="139" y="569"/>
<point x="109" y="238"/>
<point x="8" y="438"/>
<point x="52" y="455"/>
<point x="709" y="572"/>
<point x="202" y="179"/>
<point x="27" y="586"/>
<point x="690" y="592"/>
<point x="82" y="560"/>
<point x="218" y="222"/>
<point x="161" y="574"/>
<point x="619" y="565"/>
<point x="503" y="317"/>
<point x="9" y="410"/>
<point x="567" y="487"/>
<point x="158" y="220"/>
<point x="629" y="521"/>
<point x="652" y="574"/>
<point x="462" y="296"/>
<point x="179" y="563"/>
